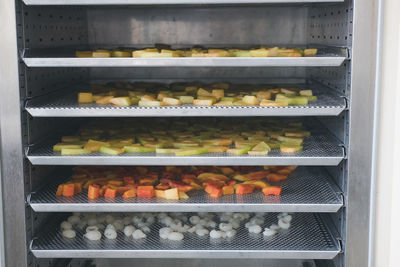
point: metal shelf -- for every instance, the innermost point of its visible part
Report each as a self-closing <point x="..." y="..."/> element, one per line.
<point x="320" y="149"/>
<point x="328" y="56"/>
<point x="308" y="238"/>
<point x="67" y="106"/>
<point x="306" y="190"/>
<point x="169" y="2"/>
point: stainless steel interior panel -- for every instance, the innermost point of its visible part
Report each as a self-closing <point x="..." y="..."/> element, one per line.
<point x="306" y="190"/>
<point x="12" y="167"/>
<point x="169" y="2"/>
<point x="180" y="25"/>
<point x="317" y="242"/>
<point x="321" y="149"/>
<point x="274" y="75"/>
<point x="66" y="105"/>
<point x="359" y="227"/>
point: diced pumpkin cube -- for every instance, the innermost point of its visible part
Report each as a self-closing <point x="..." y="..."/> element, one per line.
<point x="242" y="189"/>
<point x="121" y="54"/>
<point x="250" y="100"/>
<point x="110" y="193"/>
<point x="272" y="190"/>
<point x="145" y="191"/>
<point x="68" y="190"/>
<point x="228" y="190"/>
<point x="59" y="190"/>
<point x="130" y="193"/>
<point x="93" y="191"/>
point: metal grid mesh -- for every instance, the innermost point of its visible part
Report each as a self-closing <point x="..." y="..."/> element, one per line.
<point x="308" y="234"/>
<point x="306" y="190"/>
<point x="67" y="105"/>
<point x="319" y="149"/>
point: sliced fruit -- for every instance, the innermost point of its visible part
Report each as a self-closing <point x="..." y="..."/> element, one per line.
<point x="60" y="146"/>
<point x="147" y="103"/>
<point x="202" y="102"/>
<point x="183" y="195"/>
<point x="172" y="193"/>
<point x="186" y="99"/>
<point x="104" y="100"/>
<point x="250" y="100"/>
<point x="83" y="53"/>
<point x="169" y="101"/>
<point x="242" y="189"/>
<point x="121" y="101"/>
<point x="111" y="150"/>
<point x="190" y="152"/>
<point x="166" y="150"/>
<point x="239" y="151"/>
<point x="74" y="151"/>
<point x="139" y="149"/>
<point x="290" y="148"/>
<point x="293" y="140"/>
<point x="270" y="103"/>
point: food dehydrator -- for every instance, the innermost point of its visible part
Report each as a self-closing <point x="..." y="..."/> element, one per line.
<point x="330" y="193"/>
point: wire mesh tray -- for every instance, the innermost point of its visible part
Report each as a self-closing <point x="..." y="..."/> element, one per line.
<point x="327" y="104"/>
<point x="306" y="190"/>
<point x="319" y="149"/>
<point x="307" y="238"/>
<point x="327" y="56"/>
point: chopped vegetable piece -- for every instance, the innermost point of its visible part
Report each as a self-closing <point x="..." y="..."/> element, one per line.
<point x="111" y="150"/>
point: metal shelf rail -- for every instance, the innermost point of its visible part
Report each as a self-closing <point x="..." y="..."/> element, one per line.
<point x="327" y="57"/>
<point x="307" y="190"/>
<point x="170" y="2"/>
<point x="316" y="242"/>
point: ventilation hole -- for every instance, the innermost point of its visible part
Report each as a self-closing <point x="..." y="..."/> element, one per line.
<point x="40" y="39"/>
<point x="39" y="15"/>
<point x="27" y="40"/>
<point x="26" y="13"/>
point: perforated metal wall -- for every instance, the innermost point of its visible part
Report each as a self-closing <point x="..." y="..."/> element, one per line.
<point x="53" y="26"/>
